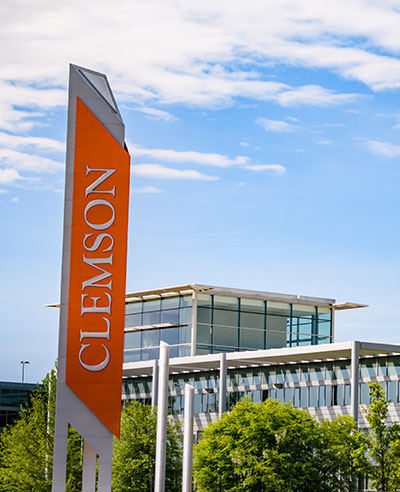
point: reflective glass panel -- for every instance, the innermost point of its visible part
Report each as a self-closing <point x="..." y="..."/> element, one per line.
<point x="324" y="313"/>
<point x="184" y="334"/>
<point x="251" y="305"/>
<point x="133" y="307"/>
<point x="225" y="336"/>
<point x="133" y="320"/>
<point x="223" y="302"/>
<point x="204" y="300"/>
<point x="302" y="310"/>
<point x="222" y="317"/>
<point x="278" y="308"/>
<point x="324" y="328"/>
<point x="150" y="338"/>
<point x="171" y="316"/>
<point x="185" y="301"/>
<point x="392" y="391"/>
<point x="252" y="320"/>
<point x="368" y="368"/>
<point x="132" y="339"/>
<point x="253" y="339"/>
<point x="170" y="303"/>
<point x="153" y="305"/>
<point x="204" y="315"/>
<point x="394" y="366"/>
<point x="364" y="396"/>
<point x="303" y="397"/>
<point x="185" y="315"/>
<point x="203" y="334"/>
<point x="152" y="318"/>
<point x="170" y="336"/>
<point x="313" y="396"/>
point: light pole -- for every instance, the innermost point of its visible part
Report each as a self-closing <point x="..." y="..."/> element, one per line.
<point x="23" y="362"/>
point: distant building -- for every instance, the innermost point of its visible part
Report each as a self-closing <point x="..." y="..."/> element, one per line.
<point x="13" y="396"/>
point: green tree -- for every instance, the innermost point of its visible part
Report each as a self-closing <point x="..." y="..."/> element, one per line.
<point x="383" y="443"/>
<point x="134" y="453"/>
<point x="26" y="448"/>
<point x="272" y="446"/>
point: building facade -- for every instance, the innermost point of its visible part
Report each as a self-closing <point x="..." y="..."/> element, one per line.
<point x="276" y="346"/>
<point x="13" y="396"/>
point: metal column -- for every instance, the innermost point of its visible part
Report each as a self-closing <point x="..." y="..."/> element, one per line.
<point x="222" y="384"/>
<point x="188" y="439"/>
<point x="355" y="354"/>
<point x="161" y="442"/>
<point x="154" y="389"/>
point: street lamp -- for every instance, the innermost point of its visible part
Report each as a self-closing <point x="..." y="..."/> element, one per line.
<point x="23" y="362"/>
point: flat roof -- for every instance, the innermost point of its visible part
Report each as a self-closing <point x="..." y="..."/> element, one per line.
<point x="254" y="358"/>
<point x="146" y="295"/>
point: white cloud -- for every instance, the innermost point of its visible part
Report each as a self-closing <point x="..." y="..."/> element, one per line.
<point x="275" y="125"/>
<point x="244" y="144"/>
<point x="28" y="162"/>
<point x="210" y="159"/>
<point x="383" y="148"/>
<point x="15" y="199"/>
<point x="275" y="168"/>
<point x="9" y="176"/>
<point x="2" y="190"/>
<point x="157" y="114"/>
<point x="40" y="143"/>
<point x="157" y="171"/>
<point x="148" y="189"/>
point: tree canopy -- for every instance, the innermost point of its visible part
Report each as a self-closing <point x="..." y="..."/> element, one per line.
<point x="272" y="446"/>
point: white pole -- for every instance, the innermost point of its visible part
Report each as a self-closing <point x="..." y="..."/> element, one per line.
<point x="162" y="409"/>
<point x="154" y="389"/>
<point x="355" y="355"/>
<point x="188" y="439"/>
<point x="222" y="384"/>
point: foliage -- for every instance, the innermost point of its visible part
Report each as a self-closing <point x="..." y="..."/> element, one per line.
<point x="272" y="446"/>
<point x="134" y="453"/>
<point x="26" y="448"/>
<point x="383" y="443"/>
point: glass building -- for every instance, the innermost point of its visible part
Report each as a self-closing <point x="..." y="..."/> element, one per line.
<point x="197" y="319"/>
<point x="13" y="396"/>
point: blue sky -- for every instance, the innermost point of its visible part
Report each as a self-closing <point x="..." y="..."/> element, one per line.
<point x="265" y="152"/>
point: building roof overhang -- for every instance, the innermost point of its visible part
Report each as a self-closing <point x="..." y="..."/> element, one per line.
<point x="254" y="358"/>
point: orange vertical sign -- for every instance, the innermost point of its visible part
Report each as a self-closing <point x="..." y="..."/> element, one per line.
<point x="96" y="310"/>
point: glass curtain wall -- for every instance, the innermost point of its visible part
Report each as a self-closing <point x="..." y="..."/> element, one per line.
<point x="158" y="320"/>
<point x="226" y="324"/>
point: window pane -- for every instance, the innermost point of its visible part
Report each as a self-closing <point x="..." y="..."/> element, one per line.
<point x="364" y="396"/>
<point x="170" y="303"/>
<point x="292" y="374"/>
<point x="184" y="334"/>
<point x="324" y="313"/>
<point x="252" y="339"/>
<point x="289" y="395"/>
<point x="342" y="370"/>
<point x="302" y="310"/>
<point x="170" y="335"/>
<point x="392" y="391"/>
<point x="133" y="307"/>
<point x="132" y="339"/>
<point x="368" y="368"/>
<point x="229" y="318"/>
<point x="225" y="336"/>
<point x="185" y="301"/>
<point x="203" y="334"/>
<point x="276" y="331"/>
<point x="252" y="305"/>
<point x="150" y="338"/>
<point x="185" y="315"/>
<point x="313" y="397"/>
<point x="223" y="302"/>
<point x="324" y="328"/>
<point x="316" y="372"/>
<point x="279" y="308"/>
<point x="152" y="305"/>
<point x="303" y="397"/>
<point x="171" y="316"/>
<point x="133" y="320"/>
<point x="204" y="315"/>
<point x="251" y="320"/>
<point x="133" y="356"/>
<point x="183" y="350"/>
<point x="394" y="366"/>
<point x="151" y="318"/>
<point x="204" y="300"/>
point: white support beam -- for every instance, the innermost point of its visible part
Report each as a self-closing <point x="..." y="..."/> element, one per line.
<point x="355" y="355"/>
<point x="187" y="461"/>
<point x="162" y="409"/>
<point x="222" y="384"/>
